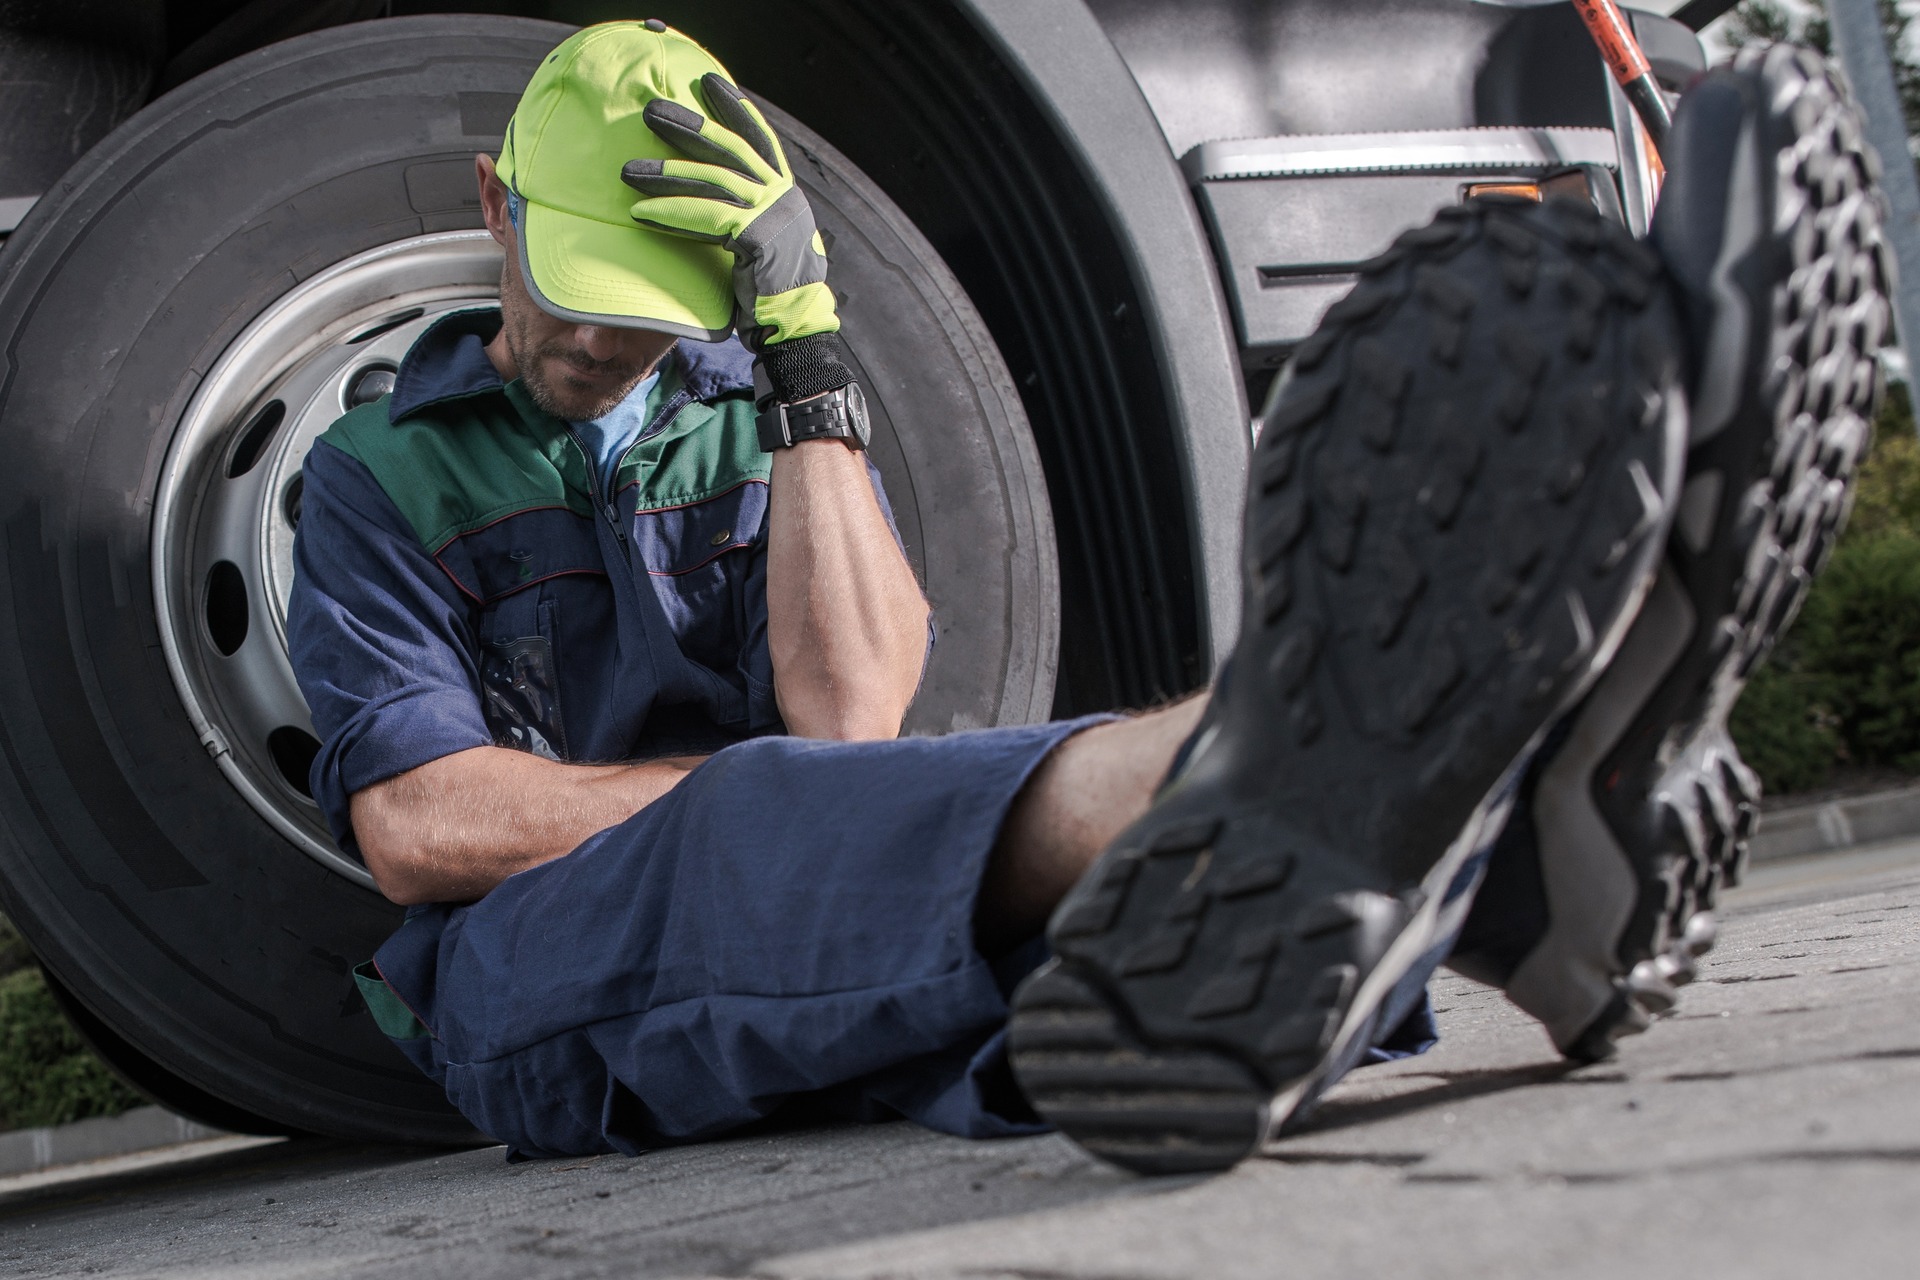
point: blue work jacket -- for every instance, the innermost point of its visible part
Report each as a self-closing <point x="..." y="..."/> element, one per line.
<point x="459" y="580"/>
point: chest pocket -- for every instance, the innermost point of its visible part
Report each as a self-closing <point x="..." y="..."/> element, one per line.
<point x="519" y="572"/>
<point x="699" y="562"/>
<point x="521" y="685"/>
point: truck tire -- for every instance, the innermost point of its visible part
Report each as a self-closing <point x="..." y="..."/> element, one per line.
<point x="174" y="317"/>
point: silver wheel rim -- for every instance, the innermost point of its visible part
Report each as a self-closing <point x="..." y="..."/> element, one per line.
<point x="226" y="506"/>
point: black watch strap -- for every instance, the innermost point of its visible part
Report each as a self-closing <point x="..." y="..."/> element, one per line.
<point x="837" y="415"/>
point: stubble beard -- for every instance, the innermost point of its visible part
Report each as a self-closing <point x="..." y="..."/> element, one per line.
<point x="574" y="403"/>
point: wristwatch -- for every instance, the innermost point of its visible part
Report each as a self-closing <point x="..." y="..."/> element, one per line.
<point x="837" y="415"/>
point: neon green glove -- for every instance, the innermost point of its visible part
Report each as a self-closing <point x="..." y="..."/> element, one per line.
<point x="736" y="189"/>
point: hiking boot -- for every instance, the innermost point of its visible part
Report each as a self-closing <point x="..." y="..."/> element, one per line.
<point x="1454" y="509"/>
<point x="1599" y="896"/>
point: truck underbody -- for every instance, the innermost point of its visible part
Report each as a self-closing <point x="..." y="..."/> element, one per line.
<point x="1075" y="241"/>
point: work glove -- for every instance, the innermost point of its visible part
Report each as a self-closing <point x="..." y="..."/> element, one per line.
<point x="736" y="189"/>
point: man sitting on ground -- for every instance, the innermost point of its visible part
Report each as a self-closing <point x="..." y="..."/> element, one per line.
<point x="609" y="662"/>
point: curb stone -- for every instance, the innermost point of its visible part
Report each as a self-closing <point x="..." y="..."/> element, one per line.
<point x="143" y="1128"/>
<point x="1838" y="824"/>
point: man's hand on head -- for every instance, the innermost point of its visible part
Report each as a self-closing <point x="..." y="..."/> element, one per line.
<point x="846" y="622"/>
<point x="735" y="188"/>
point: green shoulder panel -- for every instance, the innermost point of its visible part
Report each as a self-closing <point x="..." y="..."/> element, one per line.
<point x="466" y="464"/>
<point x="709" y="449"/>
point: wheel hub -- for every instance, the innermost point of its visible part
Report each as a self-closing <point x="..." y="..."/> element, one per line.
<point x="228" y="504"/>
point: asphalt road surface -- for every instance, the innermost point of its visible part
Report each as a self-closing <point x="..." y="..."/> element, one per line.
<point x="1770" y="1128"/>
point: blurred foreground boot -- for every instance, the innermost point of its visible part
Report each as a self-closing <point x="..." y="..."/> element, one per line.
<point x="1454" y="509"/>
<point x="1600" y="893"/>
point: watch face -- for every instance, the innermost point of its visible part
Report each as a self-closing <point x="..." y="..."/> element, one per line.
<point x="856" y="403"/>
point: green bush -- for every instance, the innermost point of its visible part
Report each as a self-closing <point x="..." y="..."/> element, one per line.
<point x="47" y="1074"/>
<point x="1862" y="633"/>
<point x="1844" y="685"/>
<point x="14" y="953"/>
<point x="1785" y="729"/>
<point x="1888" y="494"/>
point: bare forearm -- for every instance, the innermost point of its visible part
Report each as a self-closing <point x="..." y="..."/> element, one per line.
<point x="846" y="623"/>
<point x="452" y="829"/>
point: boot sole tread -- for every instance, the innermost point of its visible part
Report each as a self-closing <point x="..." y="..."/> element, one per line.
<point x="1793" y="446"/>
<point x="1436" y="562"/>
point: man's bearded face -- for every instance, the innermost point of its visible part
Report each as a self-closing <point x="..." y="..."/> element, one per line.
<point x="562" y="375"/>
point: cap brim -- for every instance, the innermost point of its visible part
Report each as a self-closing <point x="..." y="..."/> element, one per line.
<point x="590" y="272"/>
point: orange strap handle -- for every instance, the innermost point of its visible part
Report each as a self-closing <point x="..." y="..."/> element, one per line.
<point x="1615" y="38"/>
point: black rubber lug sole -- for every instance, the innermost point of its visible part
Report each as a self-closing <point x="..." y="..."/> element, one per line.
<point x="1153" y="1112"/>
<point x="1455" y="507"/>
<point x="1685" y="804"/>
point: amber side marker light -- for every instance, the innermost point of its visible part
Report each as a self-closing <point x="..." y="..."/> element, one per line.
<point x="1514" y="190"/>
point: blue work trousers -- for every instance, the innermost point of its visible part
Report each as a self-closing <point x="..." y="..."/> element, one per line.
<point x="792" y="922"/>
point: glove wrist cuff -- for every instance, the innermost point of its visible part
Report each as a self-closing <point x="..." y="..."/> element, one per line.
<point x="806" y="367"/>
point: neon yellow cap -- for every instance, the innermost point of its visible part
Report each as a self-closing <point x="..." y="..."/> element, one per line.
<point x="578" y="123"/>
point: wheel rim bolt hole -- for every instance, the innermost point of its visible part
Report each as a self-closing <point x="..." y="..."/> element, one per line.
<point x="226" y="608"/>
<point x="252" y="442"/>
<point x="290" y="499"/>
<point x="293" y="751"/>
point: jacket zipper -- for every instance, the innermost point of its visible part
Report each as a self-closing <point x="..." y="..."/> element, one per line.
<point x="663" y="420"/>
<point x="605" y="508"/>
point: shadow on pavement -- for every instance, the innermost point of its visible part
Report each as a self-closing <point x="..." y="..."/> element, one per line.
<point x="1450" y="1087"/>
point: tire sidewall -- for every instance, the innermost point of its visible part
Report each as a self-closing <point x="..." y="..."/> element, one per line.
<point x="159" y="897"/>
